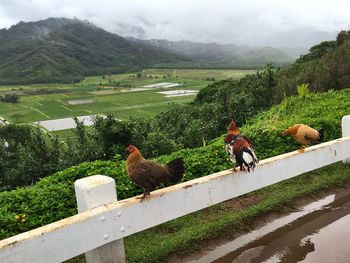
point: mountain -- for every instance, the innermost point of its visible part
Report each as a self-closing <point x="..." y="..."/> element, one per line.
<point x="211" y="55"/>
<point x="64" y="50"/>
<point x="294" y="52"/>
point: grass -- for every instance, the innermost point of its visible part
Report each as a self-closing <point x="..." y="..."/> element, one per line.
<point x="52" y="106"/>
<point x="189" y="233"/>
<point x="142" y="104"/>
<point x="176" y="75"/>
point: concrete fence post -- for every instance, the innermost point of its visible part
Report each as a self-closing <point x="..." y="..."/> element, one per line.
<point x="92" y="192"/>
<point x="345" y="124"/>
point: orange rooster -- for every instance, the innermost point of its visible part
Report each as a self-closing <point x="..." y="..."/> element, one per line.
<point x="149" y="174"/>
<point x="304" y="134"/>
<point x="240" y="149"/>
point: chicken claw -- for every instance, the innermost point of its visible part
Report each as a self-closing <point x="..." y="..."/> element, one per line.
<point x="302" y="149"/>
<point x="144" y="195"/>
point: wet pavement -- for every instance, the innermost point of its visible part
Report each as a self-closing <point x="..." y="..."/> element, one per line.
<point x="316" y="233"/>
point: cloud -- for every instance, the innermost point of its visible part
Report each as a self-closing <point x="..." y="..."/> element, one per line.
<point x="251" y="22"/>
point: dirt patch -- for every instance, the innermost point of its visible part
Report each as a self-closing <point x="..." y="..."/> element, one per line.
<point x="243" y="202"/>
<point x="163" y="85"/>
<point x="178" y="93"/>
<point x="104" y="92"/>
<point x="117" y="90"/>
<point x="108" y="87"/>
<point x="80" y="102"/>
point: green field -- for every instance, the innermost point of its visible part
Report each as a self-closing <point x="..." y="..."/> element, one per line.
<point x="108" y="94"/>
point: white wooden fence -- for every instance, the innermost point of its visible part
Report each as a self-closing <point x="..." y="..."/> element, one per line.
<point x="103" y="222"/>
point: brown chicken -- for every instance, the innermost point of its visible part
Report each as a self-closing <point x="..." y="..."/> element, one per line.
<point x="239" y="149"/>
<point x="304" y="134"/>
<point x="149" y="174"/>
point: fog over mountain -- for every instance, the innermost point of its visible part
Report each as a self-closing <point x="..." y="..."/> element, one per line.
<point x="252" y="22"/>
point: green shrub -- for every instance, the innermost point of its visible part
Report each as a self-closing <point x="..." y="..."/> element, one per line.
<point x="303" y="90"/>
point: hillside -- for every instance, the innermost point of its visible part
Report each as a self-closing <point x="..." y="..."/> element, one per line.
<point x="325" y="66"/>
<point x="64" y="50"/>
<point x="211" y="55"/>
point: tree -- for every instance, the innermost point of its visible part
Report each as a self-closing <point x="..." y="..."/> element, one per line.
<point x="342" y="37"/>
<point x="27" y="154"/>
<point x="10" y="98"/>
<point x="157" y="144"/>
<point x="111" y="136"/>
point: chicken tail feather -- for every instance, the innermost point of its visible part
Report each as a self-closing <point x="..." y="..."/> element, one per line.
<point x="247" y="159"/>
<point x="321" y="133"/>
<point x="176" y="169"/>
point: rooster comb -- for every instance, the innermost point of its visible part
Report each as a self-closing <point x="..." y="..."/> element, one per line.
<point x="232" y="126"/>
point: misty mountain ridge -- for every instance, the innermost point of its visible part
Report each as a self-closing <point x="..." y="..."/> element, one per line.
<point x="65" y="50"/>
<point x="229" y="55"/>
<point x="200" y="49"/>
<point x="300" y="37"/>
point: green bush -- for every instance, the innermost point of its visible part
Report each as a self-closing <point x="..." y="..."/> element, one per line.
<point x="303" y="90"/>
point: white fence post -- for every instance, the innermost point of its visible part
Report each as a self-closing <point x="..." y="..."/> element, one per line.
<point x="345" y="124"/>
<point x="92" y="192"/>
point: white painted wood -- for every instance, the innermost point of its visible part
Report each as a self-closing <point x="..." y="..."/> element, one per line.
<point x="92" y="192"/>
<point x="83" y="232"/>
<point x="345" y="125"/>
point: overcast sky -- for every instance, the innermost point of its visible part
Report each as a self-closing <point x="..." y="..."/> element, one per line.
<point x="246" y="22"/>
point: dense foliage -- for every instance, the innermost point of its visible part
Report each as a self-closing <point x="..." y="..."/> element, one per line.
<point x="59" y="50"/>
<point x="27" y="154"/>
<point x="52" y="198"/>
<point x="326" y="66"/>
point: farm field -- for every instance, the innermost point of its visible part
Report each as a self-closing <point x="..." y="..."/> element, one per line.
<point x="119" y="94"/>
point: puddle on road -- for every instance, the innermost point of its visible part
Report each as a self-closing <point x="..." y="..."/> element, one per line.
<point x="318" y="232"/>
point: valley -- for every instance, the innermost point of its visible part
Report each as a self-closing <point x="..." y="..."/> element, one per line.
<point x="121" y="94"/>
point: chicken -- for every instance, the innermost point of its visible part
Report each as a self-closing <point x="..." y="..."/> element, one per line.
<point x="240" y="149"/>
<point x="149" y="174"/>
<point x="304" y="134"/>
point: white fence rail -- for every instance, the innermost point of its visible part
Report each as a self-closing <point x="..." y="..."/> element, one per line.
<point x="103" y="222"/>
